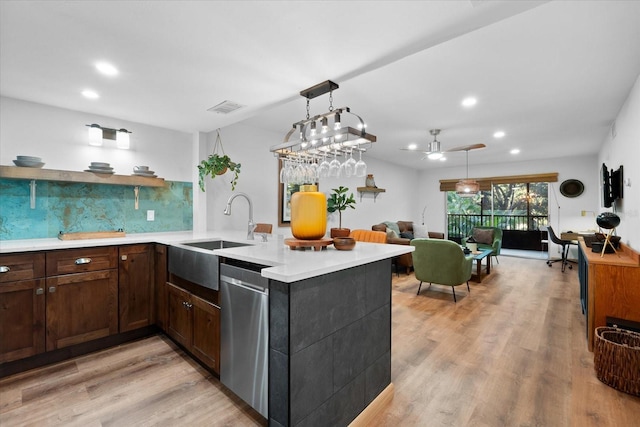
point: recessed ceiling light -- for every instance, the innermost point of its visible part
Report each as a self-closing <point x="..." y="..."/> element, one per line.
<point x="88" y="93"/>
<point x="469" y="102"/>
<point x="412" y="146"/>
<point x="515" y="151"/>
<point x="107" y="69"/>
<point x="442" y="159"/>
<point x="499" y="134"/>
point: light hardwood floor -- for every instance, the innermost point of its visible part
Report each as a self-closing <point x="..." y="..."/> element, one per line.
<point x="513" y="352"/>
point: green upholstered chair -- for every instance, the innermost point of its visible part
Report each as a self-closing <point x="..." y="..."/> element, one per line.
<point x="442" y="262"/>
<point x="488" y="238"/>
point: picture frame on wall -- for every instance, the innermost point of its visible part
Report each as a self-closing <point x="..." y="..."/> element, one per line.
<point x="284" y="205"/>
<point x="285" y="191"/>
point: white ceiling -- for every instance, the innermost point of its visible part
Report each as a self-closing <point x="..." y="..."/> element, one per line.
<point x="552" y="75"/>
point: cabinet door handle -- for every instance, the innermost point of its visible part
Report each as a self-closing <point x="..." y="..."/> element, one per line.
<point x="52" y="289"/>
<point x="39" y="291"/>
<point x="81" y="261"/>
<point x="4" y="269"/>
<point x="189" y="305"/>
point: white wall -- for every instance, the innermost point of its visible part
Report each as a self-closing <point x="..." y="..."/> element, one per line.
<point x="583" y="168"/>
<point x="60" y="137"/>
<point x="259" y="180"/>
<point x="565" y="214"/>
<point x="624" y="150"/>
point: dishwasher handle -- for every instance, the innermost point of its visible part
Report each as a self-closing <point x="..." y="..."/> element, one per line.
<point x="246" y="285"/>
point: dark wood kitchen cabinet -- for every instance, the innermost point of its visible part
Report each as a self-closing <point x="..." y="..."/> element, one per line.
<point x="160" y="278"/>
<point x="135" y="289"/>
<point x="81" y="295"/>
<point x="22" y="306"/>
<point x="194" y="323"/>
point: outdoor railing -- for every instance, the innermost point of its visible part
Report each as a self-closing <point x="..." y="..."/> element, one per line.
<point x="460" y="226"/>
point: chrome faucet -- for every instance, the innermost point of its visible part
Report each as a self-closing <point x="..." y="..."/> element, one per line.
<point x="250" y="226"/>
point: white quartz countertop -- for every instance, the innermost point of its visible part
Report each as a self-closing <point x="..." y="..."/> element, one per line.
<point x="284" y="264"/>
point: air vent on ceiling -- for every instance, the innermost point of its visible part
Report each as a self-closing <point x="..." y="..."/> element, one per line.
<point x="225" y="107"/>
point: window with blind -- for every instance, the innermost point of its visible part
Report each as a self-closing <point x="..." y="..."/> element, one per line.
<point x="518" y="205"/>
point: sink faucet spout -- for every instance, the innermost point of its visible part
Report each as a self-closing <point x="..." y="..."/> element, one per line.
<point x="250" y="226"/>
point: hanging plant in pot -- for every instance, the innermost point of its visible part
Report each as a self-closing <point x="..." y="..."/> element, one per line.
<point x="218" y="163"/>
<point x="339" y="201"/>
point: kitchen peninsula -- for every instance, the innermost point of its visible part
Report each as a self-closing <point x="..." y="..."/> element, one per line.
<point x="329" y="320"/>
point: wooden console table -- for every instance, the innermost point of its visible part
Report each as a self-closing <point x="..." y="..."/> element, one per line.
<point x="609" y="286"/>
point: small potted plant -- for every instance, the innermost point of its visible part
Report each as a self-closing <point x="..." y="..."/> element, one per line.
<point x="217" y="164"/>
<point x="339" y="201"/>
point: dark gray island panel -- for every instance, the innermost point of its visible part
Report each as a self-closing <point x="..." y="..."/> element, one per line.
<point x="329" y="345"/>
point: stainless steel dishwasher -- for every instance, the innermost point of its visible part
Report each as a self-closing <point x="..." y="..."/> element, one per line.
<point x="244" y="333"/>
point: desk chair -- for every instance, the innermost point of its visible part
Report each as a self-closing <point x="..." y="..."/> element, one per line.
<point x="544" y="241"/>
<point x="566" y="244"/>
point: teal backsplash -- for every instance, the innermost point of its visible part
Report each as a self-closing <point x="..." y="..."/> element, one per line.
<point x="77" y="207"/>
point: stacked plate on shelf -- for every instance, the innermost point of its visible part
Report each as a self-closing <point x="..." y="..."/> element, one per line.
<point x="28" y="162"/>
<point x="143" y="171"/>
<point x="100" y="167"/>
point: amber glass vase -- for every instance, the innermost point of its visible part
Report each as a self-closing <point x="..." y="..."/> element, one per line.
<point x="308" y="213"/>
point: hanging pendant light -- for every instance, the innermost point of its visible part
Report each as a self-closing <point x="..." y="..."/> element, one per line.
<point x="467" y="187"/>
<point x="315" y="140"/>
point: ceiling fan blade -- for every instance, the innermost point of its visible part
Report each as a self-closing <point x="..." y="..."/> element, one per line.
<point x="466" y="147"/>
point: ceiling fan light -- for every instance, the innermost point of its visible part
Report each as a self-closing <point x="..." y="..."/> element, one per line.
<point x="435" y="155"/>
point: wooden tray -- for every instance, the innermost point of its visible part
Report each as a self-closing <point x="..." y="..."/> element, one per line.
<point x="317" y="245"/>
<point x="91" y="235"/>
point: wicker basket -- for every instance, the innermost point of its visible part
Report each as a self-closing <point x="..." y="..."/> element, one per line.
<point x="617" y="359"/>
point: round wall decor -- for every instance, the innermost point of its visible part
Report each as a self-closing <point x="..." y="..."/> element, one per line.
<point x="571" y="188"/>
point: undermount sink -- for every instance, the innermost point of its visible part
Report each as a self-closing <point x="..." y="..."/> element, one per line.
<point x="215" y="244"/>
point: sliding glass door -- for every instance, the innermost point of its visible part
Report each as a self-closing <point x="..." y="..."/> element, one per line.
<point x="519" y="209"/>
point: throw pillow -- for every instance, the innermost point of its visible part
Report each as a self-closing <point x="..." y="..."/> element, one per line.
<point x="391" y="234"/>
<point x="406" y="235"/>
<point x="420" y="231"/>
<point x="393" y="226"/>
<point x="483" y="236"/>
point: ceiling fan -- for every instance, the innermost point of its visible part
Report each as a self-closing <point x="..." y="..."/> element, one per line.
<point x="434" y="152"/>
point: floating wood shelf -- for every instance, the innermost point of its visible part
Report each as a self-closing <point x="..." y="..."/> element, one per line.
<point x="16" y="172"/>
<point x="374" y="190"/>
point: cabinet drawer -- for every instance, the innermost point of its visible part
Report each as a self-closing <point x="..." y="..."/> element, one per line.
<point x="25" y="266"/>
<point x="70" y="261"/>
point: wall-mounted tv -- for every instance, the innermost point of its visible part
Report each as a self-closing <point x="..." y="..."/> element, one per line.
<point x="611" y="184"/>
<point x="617" y="185"/>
